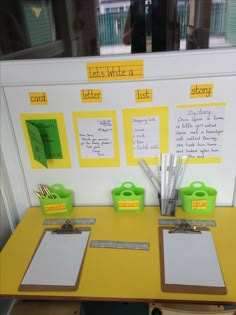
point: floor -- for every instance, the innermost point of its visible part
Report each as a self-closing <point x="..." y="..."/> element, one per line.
<point x="114" y="308"/>
<point x="4" y="306"/>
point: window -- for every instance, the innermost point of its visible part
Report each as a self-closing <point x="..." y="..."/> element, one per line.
<point x="71" y="28"/>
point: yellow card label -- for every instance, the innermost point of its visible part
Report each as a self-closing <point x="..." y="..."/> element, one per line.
<point x="201" y="90"/>
<point x="142" y="96"/>
<point x="39" y="98"/>
<point x="128" y="204"/>
<point x="55" y="208"/>
<point x="199" y="204"/>
<point x="115" y="70"/>
<point x="91" y="96"/>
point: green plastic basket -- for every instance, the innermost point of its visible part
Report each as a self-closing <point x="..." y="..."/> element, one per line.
<point x="60" y="205"/>
<point x="198" y="198"/>
<point x="128" y="198"/>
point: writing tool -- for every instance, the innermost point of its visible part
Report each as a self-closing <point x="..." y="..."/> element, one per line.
<point x="39" y="194"/>
<point x="168" y="176"/>
<point x="182" y="168"/>
<point x="173" y="172"/>
<point x="150" y="174"/>
<point x="44" y="190"/>
<point x="163" y="180"/>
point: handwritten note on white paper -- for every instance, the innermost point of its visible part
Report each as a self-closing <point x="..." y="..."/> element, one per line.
<point x="146" y="136"/>
<point x="96" y="137"/>
<point x="199" y="131"/>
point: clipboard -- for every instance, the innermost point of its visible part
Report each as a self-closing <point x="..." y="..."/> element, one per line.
<point x="57" y="262"/>
<point x="189" y="262"/>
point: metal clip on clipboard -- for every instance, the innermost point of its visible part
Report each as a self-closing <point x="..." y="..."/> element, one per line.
<point x="185" y="227"/>
<point x="67" y="228"/>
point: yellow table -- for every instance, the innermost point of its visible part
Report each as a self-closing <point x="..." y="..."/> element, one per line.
<point x="116" y="274"/>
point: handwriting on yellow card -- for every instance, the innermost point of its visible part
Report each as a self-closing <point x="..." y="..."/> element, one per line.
<point x="128" y="204"/>
<point x="55" y="208"/>
<point x="144" y="95"/>
<point x="201" y="90"/>
<point x="115" y="70"/>
<point x="38" y="98"/>
<point x="199" y="204"/>
<point x="91" y="96"/>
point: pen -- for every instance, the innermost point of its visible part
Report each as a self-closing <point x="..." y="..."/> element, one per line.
<point x="39" y="194"/>
<point x="182" y="168"/>
<point x="150" y="174"/>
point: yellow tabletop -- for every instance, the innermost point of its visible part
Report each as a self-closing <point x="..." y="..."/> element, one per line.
<point x="118" y="274"/>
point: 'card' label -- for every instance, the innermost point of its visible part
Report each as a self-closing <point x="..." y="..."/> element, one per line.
<point x="38" y="98"/>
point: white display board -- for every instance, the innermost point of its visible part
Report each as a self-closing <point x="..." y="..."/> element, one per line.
<point x="182" y="102"/>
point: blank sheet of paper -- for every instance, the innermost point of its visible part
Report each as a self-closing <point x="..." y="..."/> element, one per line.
<point x="57" y="261"/>
<point x="191" y="259"/>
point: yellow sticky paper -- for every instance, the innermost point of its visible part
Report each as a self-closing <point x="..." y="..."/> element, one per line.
<point x="201" y="90"/>
<point x="38" y="98"/>
<point x="144" y="95"/>
<point x="199" y="204"/>
<point x="115" y="70"/>
<point x="128" y="204"/>
<point x="91" y="96"/>
<point x="56" y="207"/>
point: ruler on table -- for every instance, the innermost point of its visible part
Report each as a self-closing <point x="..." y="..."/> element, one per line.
<point x="86" y="221"/>
<point x="119" y="244"/>
<point x="191" y="222"/>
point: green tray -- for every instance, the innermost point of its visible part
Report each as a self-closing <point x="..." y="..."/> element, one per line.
<point x="198" y="198"/>
<point x="60" y="205"/>
<point x="128" y="198"/>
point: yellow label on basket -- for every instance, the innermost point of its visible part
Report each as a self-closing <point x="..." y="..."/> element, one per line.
<point x="199" y="204"/>
<point x="55" y="208"/>
<point x="128" y="204"/>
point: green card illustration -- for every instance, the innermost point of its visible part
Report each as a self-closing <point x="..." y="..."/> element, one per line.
<point x="49" y="134"/>
<point x="36" y="144"/>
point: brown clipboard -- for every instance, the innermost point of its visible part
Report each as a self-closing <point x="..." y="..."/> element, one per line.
<point x="66" y="230"/>
<point x="183" y="288"/>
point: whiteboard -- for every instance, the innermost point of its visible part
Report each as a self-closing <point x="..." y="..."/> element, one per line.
<point x="168" y="75"/>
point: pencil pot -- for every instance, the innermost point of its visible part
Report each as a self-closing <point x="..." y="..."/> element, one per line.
<point x="58" y="202"/>
<point x="198" y="198"/>
<point x="128" y="198"/>
<point x="168" y="205"/>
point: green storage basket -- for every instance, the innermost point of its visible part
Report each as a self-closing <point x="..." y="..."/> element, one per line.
<point x="198" y="198"/>
<point x="60" y="205"/>
<point x="128" y="198"/>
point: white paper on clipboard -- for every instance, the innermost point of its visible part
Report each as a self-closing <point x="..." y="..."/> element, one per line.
<point x="57" y="261"/>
